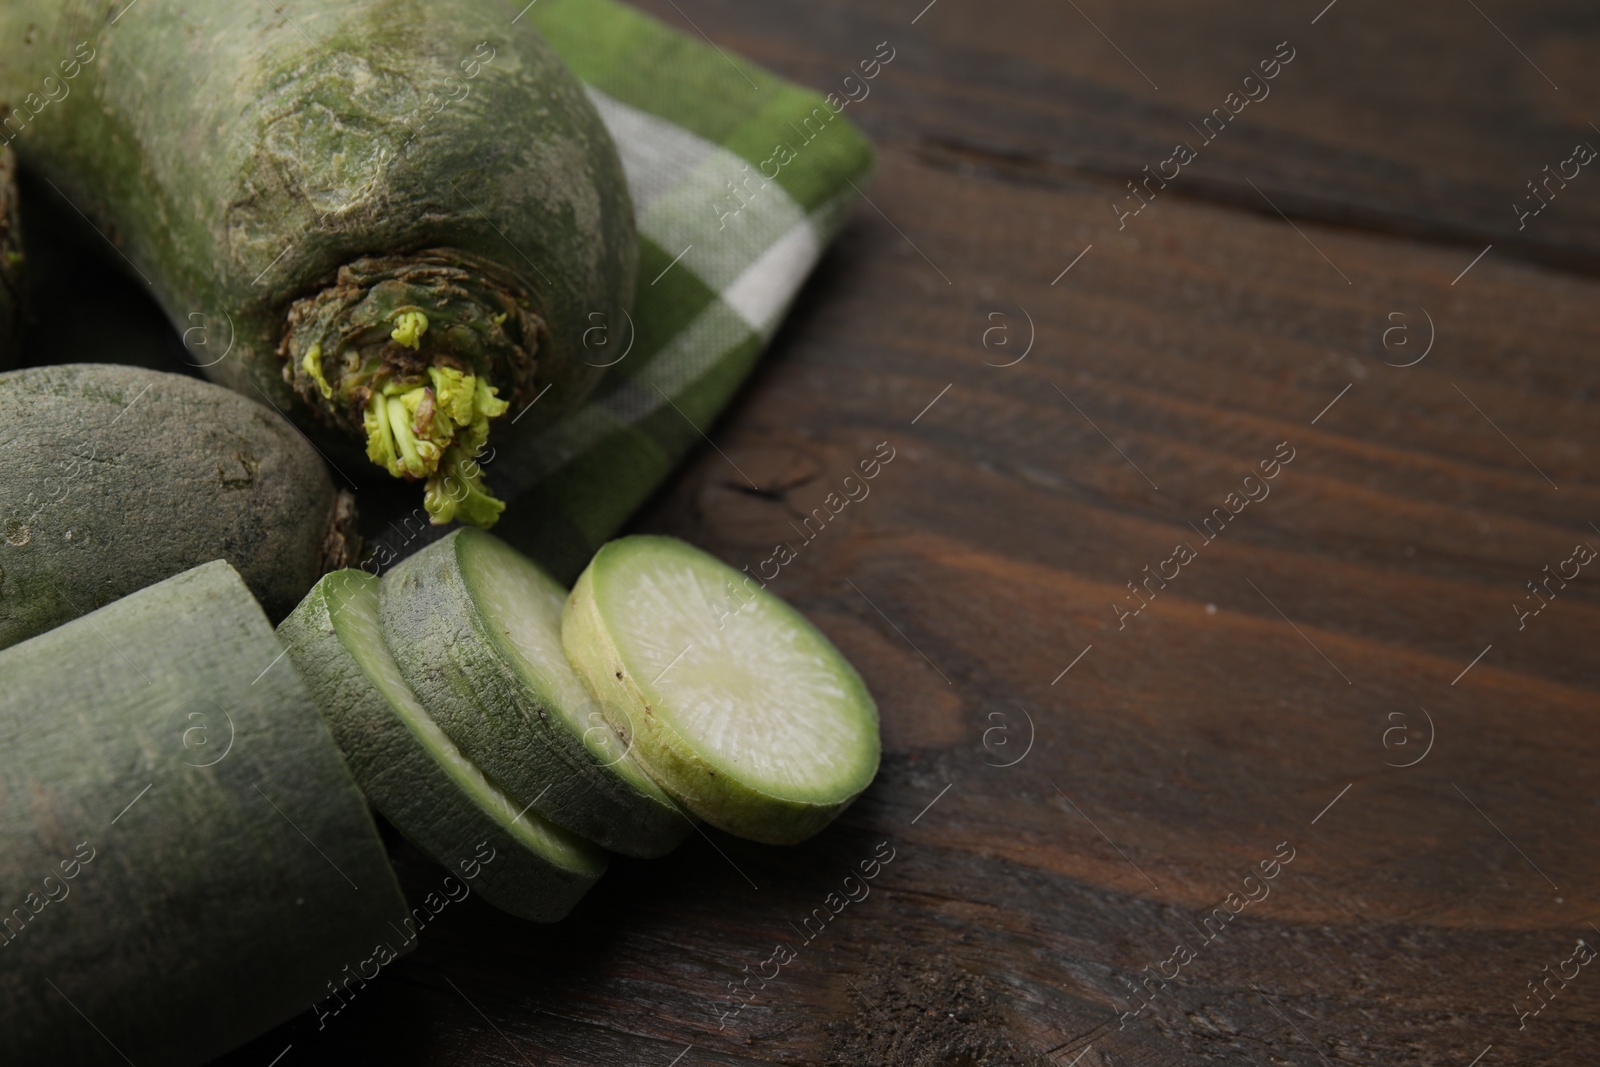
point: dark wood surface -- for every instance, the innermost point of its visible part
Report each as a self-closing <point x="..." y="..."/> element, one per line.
<point x="1263" y="696"/>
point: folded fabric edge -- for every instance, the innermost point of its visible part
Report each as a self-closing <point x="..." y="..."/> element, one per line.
<point x="734" y="103"/>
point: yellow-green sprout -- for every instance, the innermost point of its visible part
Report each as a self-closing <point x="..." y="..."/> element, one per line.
<point x="457" y="492"/>
<point x="381" y="448"/>
<point x="453" y="392"/>
<point x="409" y="326"/>
<point x="436" y="432"/>
<point x="457" y="489"/>
<point x="313" y="366"/>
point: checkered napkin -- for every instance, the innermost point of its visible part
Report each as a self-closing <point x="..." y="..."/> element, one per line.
<point x="724" y="245"/>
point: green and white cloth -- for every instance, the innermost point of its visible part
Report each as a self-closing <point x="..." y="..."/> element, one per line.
<point x="739" y="180"/>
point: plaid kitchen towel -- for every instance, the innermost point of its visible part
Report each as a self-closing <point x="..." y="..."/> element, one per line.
<point x="739" y="179"/>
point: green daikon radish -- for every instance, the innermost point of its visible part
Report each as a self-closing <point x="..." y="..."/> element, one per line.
<point x="113" y="478"/>
<point x="187" y="861"/>
<point x="395" y="216"/>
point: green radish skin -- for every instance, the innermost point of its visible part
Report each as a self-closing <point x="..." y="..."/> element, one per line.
<point x="476" y="629"/>
<point x="117" y="477"/>
<point x="317" y="177"/>
<point x="712" y="771"/>
<point x="187" y="861"/>
<point x="412" y="773"/>
<point x="11" y="261"/>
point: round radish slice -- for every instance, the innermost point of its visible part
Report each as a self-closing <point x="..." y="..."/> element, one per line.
<point x="736" y="704"/>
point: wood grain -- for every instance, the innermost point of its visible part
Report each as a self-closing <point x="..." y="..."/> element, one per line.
<point x="1248" y="704"/>
<point x="1424" y="119"/>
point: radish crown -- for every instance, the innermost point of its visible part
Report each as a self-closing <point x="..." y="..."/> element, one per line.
<point x="415" y="352"/>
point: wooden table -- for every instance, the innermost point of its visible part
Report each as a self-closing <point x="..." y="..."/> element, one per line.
<point x="1334" y="669"/>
